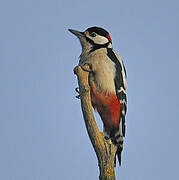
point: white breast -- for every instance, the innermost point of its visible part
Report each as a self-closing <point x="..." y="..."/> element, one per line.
<point x="103" y="68"/>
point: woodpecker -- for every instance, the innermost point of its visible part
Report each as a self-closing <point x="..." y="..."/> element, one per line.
<point x="107" y="82"/>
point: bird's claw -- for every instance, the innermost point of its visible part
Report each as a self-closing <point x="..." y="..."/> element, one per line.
<point x="78" y="91"/>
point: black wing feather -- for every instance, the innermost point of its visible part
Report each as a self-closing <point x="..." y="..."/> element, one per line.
<point x="119" y="86"/>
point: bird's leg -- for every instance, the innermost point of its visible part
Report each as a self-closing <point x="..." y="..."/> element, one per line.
<point x="85" y="67"/>
<point x="106" y="134"/>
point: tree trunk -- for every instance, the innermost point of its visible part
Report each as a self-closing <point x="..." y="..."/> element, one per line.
<point x="105" y="149"/>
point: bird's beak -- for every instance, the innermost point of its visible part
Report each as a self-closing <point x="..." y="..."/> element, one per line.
<point x="77" y="33"/>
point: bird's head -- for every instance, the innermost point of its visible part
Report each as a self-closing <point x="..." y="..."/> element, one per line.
<point x="93" y="38"/>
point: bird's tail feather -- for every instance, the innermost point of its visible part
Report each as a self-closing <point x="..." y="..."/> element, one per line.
<point x="118" y="141"/>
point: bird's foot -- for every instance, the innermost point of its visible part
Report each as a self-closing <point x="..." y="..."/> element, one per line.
<point x="87" y="67"/>
<point x="78" y="91"/>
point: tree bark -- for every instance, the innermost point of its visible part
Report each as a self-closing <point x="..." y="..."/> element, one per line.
<point x="105" y="149"/>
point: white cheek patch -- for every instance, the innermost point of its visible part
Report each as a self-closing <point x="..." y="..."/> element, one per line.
<point x="99" y="39"/>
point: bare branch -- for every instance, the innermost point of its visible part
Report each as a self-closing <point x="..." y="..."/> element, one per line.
<point x="105" y="149"/>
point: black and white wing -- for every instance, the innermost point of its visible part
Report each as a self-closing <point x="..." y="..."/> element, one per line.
<point x="120" y="84"/>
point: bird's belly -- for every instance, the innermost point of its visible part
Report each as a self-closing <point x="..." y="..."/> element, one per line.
<point x="104" y="82"/>
<point x="107" y="105"/>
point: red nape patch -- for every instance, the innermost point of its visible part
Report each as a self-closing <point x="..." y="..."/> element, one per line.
<point x="109" y="38"/>
<point x="108" y="107"/>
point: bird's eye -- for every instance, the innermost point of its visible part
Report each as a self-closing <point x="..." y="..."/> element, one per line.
<point x="93" y="34"/>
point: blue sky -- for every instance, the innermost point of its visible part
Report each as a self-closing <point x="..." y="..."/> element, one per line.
<point x="42" y="133"/>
